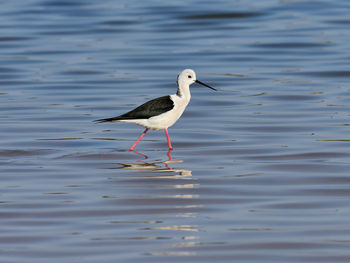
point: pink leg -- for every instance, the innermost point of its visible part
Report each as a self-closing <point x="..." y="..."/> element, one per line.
<point x="139" y="139"/>
<point x="170" y="158"/>
<point x="167" y="137"/>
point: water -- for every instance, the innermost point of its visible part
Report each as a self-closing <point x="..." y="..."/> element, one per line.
<point x="259" y="170"/>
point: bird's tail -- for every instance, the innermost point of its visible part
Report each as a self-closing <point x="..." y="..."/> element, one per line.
<point x="107" y="120"/>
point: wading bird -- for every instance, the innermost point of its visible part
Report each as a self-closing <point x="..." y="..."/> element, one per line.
<point x="162" y="112"/>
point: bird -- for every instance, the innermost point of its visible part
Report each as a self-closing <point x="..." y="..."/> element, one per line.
<point x="162" y="112"/>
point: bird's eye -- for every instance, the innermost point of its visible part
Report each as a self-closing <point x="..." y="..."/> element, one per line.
<point x="189" y="76"/>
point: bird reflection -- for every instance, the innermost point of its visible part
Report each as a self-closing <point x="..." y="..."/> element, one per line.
<point x="160" y="166"/>
<point x="146" y="157"/>
<point x="170" y="196"/>
<point x="141" y="154"/>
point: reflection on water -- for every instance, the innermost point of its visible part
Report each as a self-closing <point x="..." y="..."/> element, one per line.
<point x="155" y="167"/>
<point x="156" y="175"/>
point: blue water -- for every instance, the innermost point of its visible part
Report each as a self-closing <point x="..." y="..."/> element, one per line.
<point x="259" y="170"/>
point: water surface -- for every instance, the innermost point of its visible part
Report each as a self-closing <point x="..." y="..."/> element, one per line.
<point x="259" y="170"/>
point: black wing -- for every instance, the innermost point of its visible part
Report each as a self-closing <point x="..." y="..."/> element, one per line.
<point x="145" y="111"/>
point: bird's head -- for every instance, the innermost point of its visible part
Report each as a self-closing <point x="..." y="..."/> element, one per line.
<point x="188" y="77"/>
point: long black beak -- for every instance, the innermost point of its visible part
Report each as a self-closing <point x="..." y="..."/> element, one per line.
<point x="200" y="82"/>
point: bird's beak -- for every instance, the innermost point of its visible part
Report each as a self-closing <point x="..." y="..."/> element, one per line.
<point x="199" y="82"/>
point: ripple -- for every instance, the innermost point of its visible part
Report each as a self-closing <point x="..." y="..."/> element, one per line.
<point x="14" y="153"/>
<point x="12" y="39"/>
<point x="327" y="74"/>
<point x="228" y="15"/>
<point x="298" y="45"/>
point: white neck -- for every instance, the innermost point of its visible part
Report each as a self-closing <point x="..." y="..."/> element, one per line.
<point x="183" y="91"/>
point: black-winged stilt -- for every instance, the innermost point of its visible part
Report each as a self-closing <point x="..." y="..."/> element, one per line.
<point x="162" y="112"/>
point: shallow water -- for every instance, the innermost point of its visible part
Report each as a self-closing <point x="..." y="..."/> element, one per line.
<point x="259" y="170"/>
